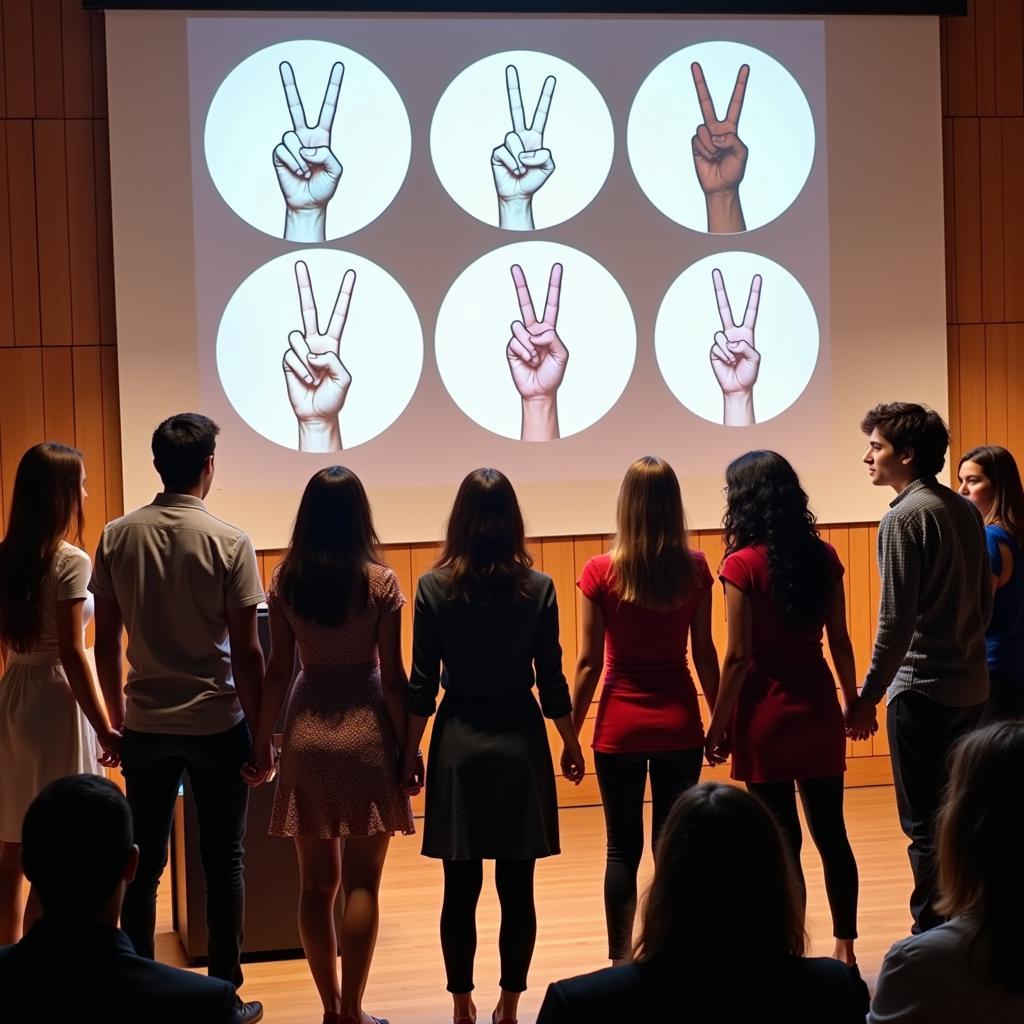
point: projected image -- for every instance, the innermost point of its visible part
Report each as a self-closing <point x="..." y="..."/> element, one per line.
<point x="560" y="366"/>
<point x="319" y="351"/>
<point x="298" y="172"/>
<point x="736" y="339"/>
<point x="732" y="173"/>
<point x="499" y="129"/>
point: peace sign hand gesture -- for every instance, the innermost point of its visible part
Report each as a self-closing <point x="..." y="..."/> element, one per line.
<point x="719" y="155"/>
<point x="315" y="376"/>
<point x="521" y="164"/>
<point x="537" y="358"/>
<point x="734" y="358"/>
<point x="307" y="169"/>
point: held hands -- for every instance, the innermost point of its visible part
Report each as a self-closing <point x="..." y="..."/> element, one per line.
<point x="315" y="376"/>
<point x="262" y="764"/>
<point x="110" y="744"/>
<point x="521" y="164"/>
<point x="734" y="358"/>
<point x="307" y="169"/>
<point x="861" y="720"/>
<point x="537" y="358"/>
<point x="412" y="773"/>
<point x="719" y="156"/>
<point x="717" y="747"/>
<point x="573" y="763"/>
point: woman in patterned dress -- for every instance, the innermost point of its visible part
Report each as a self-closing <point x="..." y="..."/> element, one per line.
<point x="339" y="794"/>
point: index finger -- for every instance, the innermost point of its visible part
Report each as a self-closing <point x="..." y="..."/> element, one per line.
<point x="738" y="92"/>
<point x="540" y="114"/>
<point x="307" y="303"/>
<point x="554" y="295"/>
<point x="330" y="105"/>
<point x="340" y="313"/>
<point x="707" y="107"/>
<point x="753" y="300"/>
<point x="515" y="99"/>
<point x="724" y="309"/>
<point x="291" y="95"/>
<point x="523" y="292"/>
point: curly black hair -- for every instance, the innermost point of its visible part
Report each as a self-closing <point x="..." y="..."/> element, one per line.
<point x="766" y="505"/>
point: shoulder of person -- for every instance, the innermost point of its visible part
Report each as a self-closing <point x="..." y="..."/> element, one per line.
<point x="948" y="941"/>
<point x="70" y="555"/>
<point x="539" y="582"/>
<point x="596" y="989"/>
<point x="184" y="988"/>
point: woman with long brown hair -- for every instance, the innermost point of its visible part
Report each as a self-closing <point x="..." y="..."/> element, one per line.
<point x="969" y="968"/>
<point x="722" y="876"/>
<point x="989" y="478"/>
<point x="640" y="601"/>
<point x="52" y="723"/>
<point x="339" y="795"/>
<point x="491" y="621"/>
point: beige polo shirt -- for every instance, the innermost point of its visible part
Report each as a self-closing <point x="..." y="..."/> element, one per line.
<point x="175" y="570"/>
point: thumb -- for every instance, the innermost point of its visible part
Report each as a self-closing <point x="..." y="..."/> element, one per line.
<point x="323" y="156"/>
<point x="744" y="350"/>
<point x="538" y="158"/>
<point x="333" y="367"/>
<point x="723" y="143"/>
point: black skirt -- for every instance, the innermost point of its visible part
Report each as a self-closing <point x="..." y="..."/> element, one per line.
<point x="490" y="790"/>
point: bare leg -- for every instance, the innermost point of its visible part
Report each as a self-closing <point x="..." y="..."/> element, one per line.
<point x="11" y="900"/>
<point x="320" y="879"/>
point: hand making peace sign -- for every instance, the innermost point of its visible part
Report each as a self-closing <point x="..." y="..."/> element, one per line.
<point x="307" y="169"/>
<point x="734" y="358"/>
<point x="521" y="164"/>
<point x="316" y="378"/>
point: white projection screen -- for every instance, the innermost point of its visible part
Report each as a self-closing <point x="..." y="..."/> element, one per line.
<point x="415" y="245"/>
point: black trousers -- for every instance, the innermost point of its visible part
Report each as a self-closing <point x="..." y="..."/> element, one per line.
<point x="922" y="733"/>
<point x="822" y="800"/>
<point x="153" y="765"/>
<point x="463" y="880"/>
<point x="622" y="779"/>
<point x="1005" y="699"/>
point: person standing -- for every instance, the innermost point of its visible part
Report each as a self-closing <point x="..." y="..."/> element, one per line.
<point x="639" y="602"/>
<point x="52" y="723"/>
<point x="777" y="707"/>
<point x="929" y="658"/>
<point x="185" y="585"/>
<point x="492" y="621"/>
<point x="339" y="794"/>
<point x="990" y="480"/>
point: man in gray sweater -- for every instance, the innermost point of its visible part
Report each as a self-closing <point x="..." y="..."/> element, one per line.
<point x="936" y="598"/>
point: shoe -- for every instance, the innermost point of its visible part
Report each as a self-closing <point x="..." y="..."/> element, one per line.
<point x="250" y="1012"/>
<point x="339" y="1018"/>
<point x="495" y="1019"/>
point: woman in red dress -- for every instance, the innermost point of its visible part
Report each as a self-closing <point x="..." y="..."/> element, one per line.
<point x="777" y="708"/>
<point x="640" y="601"/>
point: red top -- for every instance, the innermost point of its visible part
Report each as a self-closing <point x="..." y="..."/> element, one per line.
<point x="788" y="723"/>
<point x="648" y="701"/>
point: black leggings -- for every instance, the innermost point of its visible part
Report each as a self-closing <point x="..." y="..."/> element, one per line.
<point x="463" y="880"/>
<point x="622" y="778"/>
<point x="822" y="801"/>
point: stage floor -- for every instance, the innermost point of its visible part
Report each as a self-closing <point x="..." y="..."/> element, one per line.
<point x="407" y="980"/>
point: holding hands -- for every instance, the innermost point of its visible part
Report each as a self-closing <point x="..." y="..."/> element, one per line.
<point x="734" y="358"/>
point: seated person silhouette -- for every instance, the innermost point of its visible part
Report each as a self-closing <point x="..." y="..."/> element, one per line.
<point x="75" y="963"/>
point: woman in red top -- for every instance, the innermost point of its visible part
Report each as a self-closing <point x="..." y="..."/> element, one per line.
<point x="639" y="603"/>
<point x="777" y="707"/>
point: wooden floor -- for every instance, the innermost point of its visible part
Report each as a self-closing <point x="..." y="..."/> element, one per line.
<point x="407" y="980"/>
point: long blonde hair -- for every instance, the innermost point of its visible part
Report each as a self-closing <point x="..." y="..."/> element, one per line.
<point x="650" y="556"/>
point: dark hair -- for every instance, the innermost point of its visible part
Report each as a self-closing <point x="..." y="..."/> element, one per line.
<point x="766" y="505"/>
<point x="981" y="845"/>
<point x="81" y="876"/>
<point x="688" y="921"/>
<point x="325" y="569"/>
<point x="46" y="506"/>
<point x="484" y="556"/>
<point x="181" y="446"/>
<point x="651" y="557"/>
<point x="908" y="426"/>
<point x="1001" y="469"/>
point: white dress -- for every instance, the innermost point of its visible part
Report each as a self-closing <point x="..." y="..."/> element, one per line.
<point x="43" y="733"/>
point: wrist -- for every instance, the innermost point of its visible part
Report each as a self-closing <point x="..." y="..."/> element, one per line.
<point x="319" y="435"/>
<point x="738" y="409"/>
<point x="540" y="418"/>
<point x="516" y="213"/>
<point x="725" y="213"/>
<point x="305" y="225"/>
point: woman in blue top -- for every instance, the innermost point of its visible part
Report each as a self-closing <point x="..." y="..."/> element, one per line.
<point x="990" y="479"/>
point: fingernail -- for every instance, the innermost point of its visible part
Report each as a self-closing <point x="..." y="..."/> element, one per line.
<point x="314" y="355"/>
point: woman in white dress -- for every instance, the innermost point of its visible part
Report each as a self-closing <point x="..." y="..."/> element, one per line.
<point x="52" y="723"/>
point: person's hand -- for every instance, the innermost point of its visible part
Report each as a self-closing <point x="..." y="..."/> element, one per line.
<point x="537" y="358"/>
<point x="110" y="744"/>
<point x="861" y="720"/>
<point x="573" y="763"/>
<point x="521" y="164"/>
<point x="719" y="156"/>
<point x="716" y="743"/>
<point x="734" y="358"/>
<point x="307" y="169"/>
<point x="413" y="773"/>
<point x="316" y="378"/>
<point x="261" y="765"/>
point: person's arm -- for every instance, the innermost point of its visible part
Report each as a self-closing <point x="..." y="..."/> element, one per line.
<point x="841" y="646"/>
<point x="900" y="993"/>
<point x="109" y="627"/>
<point x="590" y="663"/>
<point x="702" y="648"/>
<point x="393" y="677"/>
<point x="424" y="682"/>
<point x="735" y="666"/>
<point x="277" y="681"/>
<point x="246" y="660"/>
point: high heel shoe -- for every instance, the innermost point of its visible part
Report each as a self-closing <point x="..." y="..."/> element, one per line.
<point x="330" y="1017"/>
<point x="495" y="1019"/>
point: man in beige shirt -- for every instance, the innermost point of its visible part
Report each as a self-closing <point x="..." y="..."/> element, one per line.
<point x="186" y="586"/>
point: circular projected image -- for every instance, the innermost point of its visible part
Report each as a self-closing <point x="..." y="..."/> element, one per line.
<point x="736" y="339"/>
<point x="307" y="141"/>
<point x="535" y="341"/>
<point x="319" y="350"/>
<point x="522" y="140"/>
<point x="721" y="137"/>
